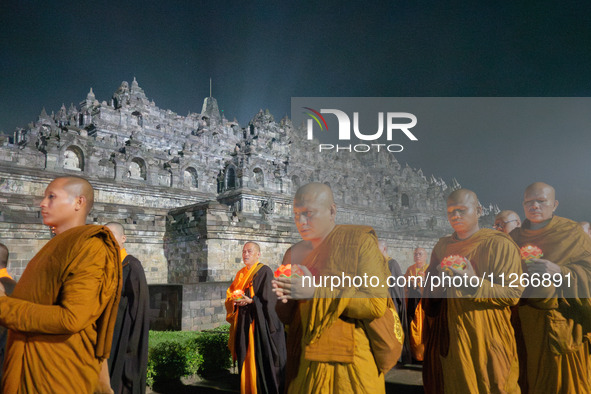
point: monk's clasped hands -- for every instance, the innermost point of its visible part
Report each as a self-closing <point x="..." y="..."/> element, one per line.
<point x="245" y="300"/>
<point x="542" y="266"/>
<point x="291" y="288"/>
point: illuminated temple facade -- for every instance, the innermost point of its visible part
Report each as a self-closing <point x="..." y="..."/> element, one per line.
<point x="190" y="190"/>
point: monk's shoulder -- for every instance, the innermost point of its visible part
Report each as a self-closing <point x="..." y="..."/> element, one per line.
<point x="495" y="239"/>
<point x="441" y="246"/>
<point x="355" y="229"/>
<point x="265" y="270"/>
<point x="443" y="242"/>
<point x="564" y="224"/>
<point x="515" y="234"/>
<point x="74" y="240"/>
<point x="132" y="260"/>
<point x="351" y="234"/>
<point x="135" y="265"/>
<point x="297" y="253"/>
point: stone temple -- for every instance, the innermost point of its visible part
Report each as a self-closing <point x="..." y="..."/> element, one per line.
<point x="190" y="190"/>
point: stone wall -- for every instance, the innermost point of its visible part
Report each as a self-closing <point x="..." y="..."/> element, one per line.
<point x="191" y="190"/>
<point x="203" y="305"/>
<point x="22" y="231"/>
<point x="204" y="241"/>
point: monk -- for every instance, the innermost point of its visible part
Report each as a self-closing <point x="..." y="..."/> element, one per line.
<point x="126" y="369"/>
<point x="470" y="344"/>
<point x="329" y="350"/>
<point x="416" y="314"/>
<point x="257" y="338"/>
<point x="506" y="221"/>
<point x="555" y="319"/>
<point x="8" y="282"/>
<point x="398" y="296"/>
<point x="62" y="311"/>
<point x="5" y="278"/>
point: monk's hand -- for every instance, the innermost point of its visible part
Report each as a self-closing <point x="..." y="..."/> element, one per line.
<point x="245" y="300"/>
<point x="104" y="383"/>
<point x="292" y="289"/>
<point x="278" y="289"/>
<point x="468" y="271"/>
<point x="542" y="266"/>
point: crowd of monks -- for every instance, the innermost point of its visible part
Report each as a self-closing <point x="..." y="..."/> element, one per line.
<point x="501" y="336"/>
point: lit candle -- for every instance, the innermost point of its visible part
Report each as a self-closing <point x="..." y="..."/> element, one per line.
<point x="287" y="271"/>
<point x="454" y="261"/>
<point x="529" y="252"/>
<point x="237" y="295"/>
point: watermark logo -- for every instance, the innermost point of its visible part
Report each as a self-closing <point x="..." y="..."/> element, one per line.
<point x="315" y="115"/>
<point x="392" y="125"/>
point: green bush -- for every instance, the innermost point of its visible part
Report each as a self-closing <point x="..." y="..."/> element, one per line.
<point x="213" y="346"/>
<point x="173" y="354"/>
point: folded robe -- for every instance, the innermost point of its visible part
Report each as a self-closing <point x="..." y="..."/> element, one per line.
<point x="62" y="313"/>
<point x="557" y="325"/>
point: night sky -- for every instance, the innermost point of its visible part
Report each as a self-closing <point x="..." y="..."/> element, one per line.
<point x="260" y="54"/>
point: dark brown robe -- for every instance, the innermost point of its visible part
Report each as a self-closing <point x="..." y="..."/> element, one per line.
<point x="128" y="362"/>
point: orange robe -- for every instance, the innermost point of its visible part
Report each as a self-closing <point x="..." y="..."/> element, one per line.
<point x="257" y="339"/>
<point x="4" y="273"/>
<point x="416" y="317"/>
<point x="62" y="313"/>
<point x="470" y="341"/>
<point x="243" y="281"/>
<point x="557" y="326"/>
<point x="335" y="354"/>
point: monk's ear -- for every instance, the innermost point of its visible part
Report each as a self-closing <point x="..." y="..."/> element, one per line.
<point x="555" y="205"/>
<point x="80" y="203"/>
<point x="123" y="239"/>
<point x="333" y="210"/>
<point x="479" y="210"/>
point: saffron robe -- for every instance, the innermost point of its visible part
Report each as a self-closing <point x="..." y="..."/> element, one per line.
<point x="414" y="309"/>
<point x="257" y="338"/>
<point x="470" y="344"/>
<point x="8" y="284"/>
<point x="398" y="296"/>
<point x="333" y="349"/>
<point x="557" y="326"/>
<point x="62" y="313"/>
<point x="128" y="362"/>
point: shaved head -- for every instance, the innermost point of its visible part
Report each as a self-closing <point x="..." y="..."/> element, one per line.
<point x="116" y="228"/>
<point x="506" y="221"/>
<point x="118" y="232"/>
<point x="537" y="187"/>
<point x="251" y="252"/>
<point x="463" y="211"/>
<point x="464" y="195"/>
<point x="314" y="212"/>
<point x="66" y="202"/>
<point x="318" y="192"/>
<point x="507" y="214"/>
<point x="539" y="203"/>
<point x="256" y="245"/>
<point x="3" y="255"/>
<point x="79" y="187"/>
